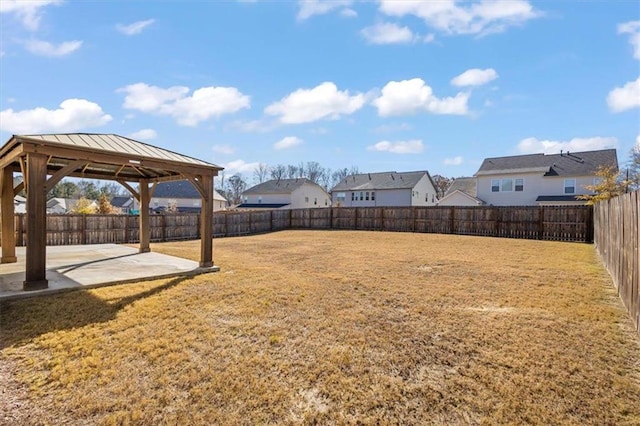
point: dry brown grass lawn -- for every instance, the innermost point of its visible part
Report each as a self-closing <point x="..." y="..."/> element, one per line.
<point x="334" y="328"/>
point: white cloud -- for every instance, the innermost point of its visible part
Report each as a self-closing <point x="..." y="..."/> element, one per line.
<point x="45" y="48"/>
<point x="252" y="126"/>
<point x="73" y="115"/>
<point x="348" y="13"/>
<point x="478" y="17"/>
<point x="308" y="8"/>
<point x="625" y="97"/>
<point x="203" y="104"/>
<point x="27" y="11"/>
<point x="134" y="28"/>
<point x="455" y="161"/>
<point x="324" y="101"/>
<point x="239" y="166"/>
<point x="144" y="134"/>
<point x="411" y="96"/>
<point x="223" y="149"/>
<point x="392" y="128"/>
<point x="287" y="142"/>
<point x="475" y="77"/>
<point x="632" y="28"/>
<point x="413" y="146"/>
<point x="535" y="146"/>
<point x="387" y="33"/>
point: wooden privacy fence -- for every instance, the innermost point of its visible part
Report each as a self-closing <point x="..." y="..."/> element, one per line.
<point x="559" y="223"/>
<point x="617" y="232"/>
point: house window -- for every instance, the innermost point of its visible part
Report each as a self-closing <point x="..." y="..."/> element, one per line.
<point x="597" y="180"/>
<point x="155" y="203"/>
<point x="433" y="197"/>
<point x="315" y="201"/>
<point x="353" y="196"/>
<point x="426" y="198"/>
<point x="413" y="193"/>
<point x="569" y="186"/>
<point x="507" y="185"/>
<point x="325" y="201"/>
<point x="306" y="199"/>
<point x="196" y="203"/>
<point x="361" y="196"/>
<point x="373" y="196"/>
<point x="367" y="196"/>
<point x="519" y="185"/>
<point x="341" y="196"/>
<point x="260" y="200"/>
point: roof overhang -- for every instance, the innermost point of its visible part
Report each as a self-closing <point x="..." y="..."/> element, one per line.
<point x="94" y="162"/>
<point x="512" y="171"/>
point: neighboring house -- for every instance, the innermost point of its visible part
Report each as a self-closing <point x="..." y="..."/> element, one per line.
<point x="461" y="192"/>
<point x="124" y="204"/>
<point x="182" y="195"/>
<point x="385" y="189"/>
<point x="540" y="179"/>
<point x="64" y="205"/>
<point x="285" y="194"/>
<point x="19" y="204"/>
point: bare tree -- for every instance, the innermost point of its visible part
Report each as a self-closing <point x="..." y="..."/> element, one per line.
<point x="300" y="173"/>
<point x="261" y="172"/>
<point x="292" y="171"/>
<point x="313" y="171"/>
<point x="442" y="184"/>
<point x="633" y="168"/>
<point x="236" y="187"/>
<point x="327" y="179"/>
<point x="278" y="172"/>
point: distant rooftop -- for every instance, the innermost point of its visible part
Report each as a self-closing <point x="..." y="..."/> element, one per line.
<point x="378" y="181"/>
<point x="564" y="164"/>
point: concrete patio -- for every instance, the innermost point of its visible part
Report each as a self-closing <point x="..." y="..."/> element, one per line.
<point x="89" y="266"/>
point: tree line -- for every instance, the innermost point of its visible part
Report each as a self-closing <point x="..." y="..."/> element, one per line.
<point x="233" y="187"/>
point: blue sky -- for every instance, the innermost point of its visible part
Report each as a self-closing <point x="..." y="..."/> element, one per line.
<point x="380" y="85"/>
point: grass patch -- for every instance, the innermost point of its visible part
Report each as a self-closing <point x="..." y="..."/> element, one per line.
<point x="336" y="327"/>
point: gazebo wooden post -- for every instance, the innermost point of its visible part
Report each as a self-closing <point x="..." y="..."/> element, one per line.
<point x="7" y="218"/>
<point x="36" y="178"/>
<point x="145" y="229"/>
<point x="206" y="223"/>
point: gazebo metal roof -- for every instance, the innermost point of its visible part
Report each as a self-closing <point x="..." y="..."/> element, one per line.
<point x="103" y="156"/>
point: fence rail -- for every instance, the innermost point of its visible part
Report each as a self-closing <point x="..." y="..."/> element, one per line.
<point x="559" y="223"/>
<point x="617" y="235"/>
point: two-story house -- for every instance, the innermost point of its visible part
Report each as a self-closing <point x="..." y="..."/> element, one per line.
<point x="298" y="193"/>
<point x="541" y="179"/>
<point x="391" y="189"/>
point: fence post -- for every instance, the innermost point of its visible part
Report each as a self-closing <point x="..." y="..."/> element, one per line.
<point x="498" y="221"/>
<point x="83" y="223"/>
<point x="330" y="218"/>
<point x="271" y="220"/>
<point x="452" y="221"/>
<point x="355" y="218"/>
<point x="540" y="222"/>
<point x="590" y="225"/>
<point x="413" y="219"/>
<point x="163" y="222"/>
<point x="382" y="219"/>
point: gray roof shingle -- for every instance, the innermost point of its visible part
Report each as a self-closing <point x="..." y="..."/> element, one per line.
<point x="464" y="184"/>
<point x="565" y="164"/>
<point x="180" y="189"/>
<point x="378" y="181"/>
<point x="282" y="186"/>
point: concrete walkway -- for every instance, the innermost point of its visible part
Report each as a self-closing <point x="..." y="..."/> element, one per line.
<point x="89" y="266"/>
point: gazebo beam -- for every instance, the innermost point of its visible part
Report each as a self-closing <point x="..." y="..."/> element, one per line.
<point x="7" y="218"/>
<point x="36" y="223"/>
<point x="206" y="223"/>
<point x="145" y="232"/>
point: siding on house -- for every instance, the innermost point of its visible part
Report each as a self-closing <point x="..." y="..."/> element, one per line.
<point x="391" y="189"/>
<point x="289" y="193"/>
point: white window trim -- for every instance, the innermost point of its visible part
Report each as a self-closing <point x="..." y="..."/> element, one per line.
<point x="501" y="181"/>
<point x="564" y="188"/>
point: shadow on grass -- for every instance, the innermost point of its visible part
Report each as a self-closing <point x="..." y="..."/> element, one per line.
<point x="24" y="320"/>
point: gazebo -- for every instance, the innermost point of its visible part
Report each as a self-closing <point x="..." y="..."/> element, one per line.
<point x="93" y="156"/>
